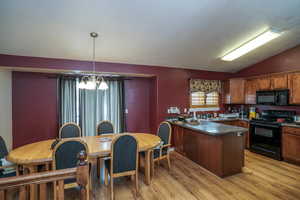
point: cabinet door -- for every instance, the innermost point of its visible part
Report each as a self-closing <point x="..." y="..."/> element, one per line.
<point x="279" y="81"/>
<point x="263" y="83"/>
<point x="178" y="140"/>
<point x="225" y="92"/>
<point x="291" y="147"/>
<point x="190" y="145"/>
<point x="250" y="91"/>
<point x="294" y="86"/>
<point x="237" y="91"/>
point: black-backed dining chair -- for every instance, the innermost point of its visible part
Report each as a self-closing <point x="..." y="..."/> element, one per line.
<point x="69" y="130"/>
<point x="124" y="160"/>
<point x="5" y="170"/>
<point x="65" y="155"/>
<point x="105" y="127"/>
<point x="162" y="152"/>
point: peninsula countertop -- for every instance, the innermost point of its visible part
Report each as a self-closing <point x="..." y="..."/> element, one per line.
<point x="210" y="128"/>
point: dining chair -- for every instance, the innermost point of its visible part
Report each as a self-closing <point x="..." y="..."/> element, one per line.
<point x="162" y="151"/>
<point x="124" y="160"/>
<point x="105" y="127"/>
<point x="65" y="155"/>
<point x="7" y="169"/>
<point x="70" y="129"/>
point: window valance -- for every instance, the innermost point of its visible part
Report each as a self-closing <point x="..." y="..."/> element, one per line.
<point x="207" y="86"/>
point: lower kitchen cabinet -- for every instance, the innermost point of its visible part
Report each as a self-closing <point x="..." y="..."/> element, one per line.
<point x="291" y="144"/>
<point x="177" y="139"/>
<point x="222" y="155"/>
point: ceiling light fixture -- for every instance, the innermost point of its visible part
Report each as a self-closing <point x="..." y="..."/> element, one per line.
<point x="256" y="42"/>
<point x="93" y="81"/>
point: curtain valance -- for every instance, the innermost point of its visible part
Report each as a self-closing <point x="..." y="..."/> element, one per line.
<point x="207" y="86"/>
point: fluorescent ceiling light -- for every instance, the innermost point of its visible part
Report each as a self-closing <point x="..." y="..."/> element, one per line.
<point x="251" y="45"/>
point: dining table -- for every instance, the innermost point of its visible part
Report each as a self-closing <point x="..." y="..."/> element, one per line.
<point x="30" y="156"/>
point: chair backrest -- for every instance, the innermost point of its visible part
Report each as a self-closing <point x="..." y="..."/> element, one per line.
<point x="3" y="148"/>
<point x="164" y="132"/>
<point x="65" y="153"/>
<point x="69" y="130"/>
<point x="105" y="127"/>
<point x="124" y="154"/>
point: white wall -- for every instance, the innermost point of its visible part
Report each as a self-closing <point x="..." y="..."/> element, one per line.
<point x="6" y="107"/>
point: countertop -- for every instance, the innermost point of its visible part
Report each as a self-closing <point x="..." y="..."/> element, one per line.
<point x="226" y="119"/>
<point x="291" y="125"/>
<point x="210" y="128"/>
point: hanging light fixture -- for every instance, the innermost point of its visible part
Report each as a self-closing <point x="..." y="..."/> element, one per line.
<point x="93" y="81"/>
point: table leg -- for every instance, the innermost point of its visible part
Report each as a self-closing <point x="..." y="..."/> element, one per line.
<point x="147" y="167"/>
<point x="33" y="188"/>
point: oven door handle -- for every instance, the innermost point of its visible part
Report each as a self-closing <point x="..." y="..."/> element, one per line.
<point x="265" y="125"/>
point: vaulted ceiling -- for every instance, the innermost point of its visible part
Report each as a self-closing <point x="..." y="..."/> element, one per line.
<point x="188" y="34"/>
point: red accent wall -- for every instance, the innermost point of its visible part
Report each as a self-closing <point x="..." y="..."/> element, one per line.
<point x="34" y="109"/>
<point x="168" y="87"/>
<point x="35" y="103"/>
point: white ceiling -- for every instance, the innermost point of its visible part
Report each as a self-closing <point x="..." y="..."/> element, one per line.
<point x="188" y="34"/>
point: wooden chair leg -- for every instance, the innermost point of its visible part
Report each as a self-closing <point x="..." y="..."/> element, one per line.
<point x="98" y="167"/>
<point x="169" y="163"/>
<point x="54" y="190"/>
<point x="136" y="182"/>
<point x="111" y="188"/>
<point x="106" y="176"/>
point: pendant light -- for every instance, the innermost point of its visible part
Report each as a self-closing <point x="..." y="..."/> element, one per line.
<point x="93" y="82"/>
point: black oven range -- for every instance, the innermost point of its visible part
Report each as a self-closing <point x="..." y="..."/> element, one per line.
<point x="265" y="133"/>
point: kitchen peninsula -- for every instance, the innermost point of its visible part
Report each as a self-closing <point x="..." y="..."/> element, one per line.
<point x="217" y="147"/>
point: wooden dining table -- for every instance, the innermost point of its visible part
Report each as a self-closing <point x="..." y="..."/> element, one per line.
<point x="32" y="155"/>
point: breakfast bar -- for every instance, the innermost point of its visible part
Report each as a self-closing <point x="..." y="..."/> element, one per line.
<point x="217" y="147"/>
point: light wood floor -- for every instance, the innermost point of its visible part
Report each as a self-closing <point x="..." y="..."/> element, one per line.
<point x="263" y="178"/>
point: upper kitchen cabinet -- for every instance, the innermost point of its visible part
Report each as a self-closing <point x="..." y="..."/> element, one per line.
<point x="250" y="91"/>
<point x="226" y="92"/>
<point x="263" y="83"/>
<point x="236" y="91"/>
<point x="279" y="81"/>
<point x="294" y="86"/>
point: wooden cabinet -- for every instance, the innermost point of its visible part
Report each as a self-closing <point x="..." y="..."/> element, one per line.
<point x="263" y="83"/>
<point x="222" y="155"/>
<point x="250" y="91"/>
<point x="177" y="139"/>
<point x="236" y="91"/>
<point x="225" y="92"/>
<point x="294" y="86"/>
<point x="291" y="144"/>
<point x="279" y="81"/>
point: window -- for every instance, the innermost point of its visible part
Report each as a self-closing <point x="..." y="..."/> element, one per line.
<point x="200" y="99"/>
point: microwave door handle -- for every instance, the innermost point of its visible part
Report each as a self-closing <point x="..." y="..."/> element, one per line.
<point x="277" y="98"/>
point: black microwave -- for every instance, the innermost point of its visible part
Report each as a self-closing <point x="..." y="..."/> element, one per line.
<point x="273" y="97"/>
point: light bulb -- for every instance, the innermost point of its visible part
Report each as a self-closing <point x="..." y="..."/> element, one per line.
<point x="82" y="85"/>
<point x="103" y="85"/>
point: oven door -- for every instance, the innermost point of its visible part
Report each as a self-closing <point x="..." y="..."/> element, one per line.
<point x="266" y="97"/>
<point x="266" y="139"/>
